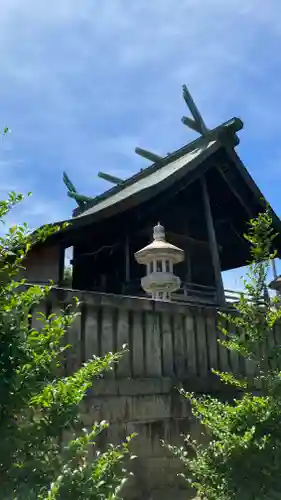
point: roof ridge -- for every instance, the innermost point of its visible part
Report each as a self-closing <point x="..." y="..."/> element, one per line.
<point x="233" y="125"/>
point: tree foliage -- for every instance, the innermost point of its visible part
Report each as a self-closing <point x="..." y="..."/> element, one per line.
<point x="38" y="407"/>
<point x="242" y="459"/>
<point x="67" y="277"/>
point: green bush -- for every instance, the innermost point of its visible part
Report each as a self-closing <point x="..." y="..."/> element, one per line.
<point x="37" y="407"/>
<point x="242" y="459"/>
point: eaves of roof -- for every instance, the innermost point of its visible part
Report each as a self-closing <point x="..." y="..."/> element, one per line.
<point x="230" y="128"/>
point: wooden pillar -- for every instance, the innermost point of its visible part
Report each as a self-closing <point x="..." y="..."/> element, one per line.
<point x="213" y="242"/>
<point x="127" y="259"/>
<point x="61" y="265"/>
<point x="186" y="248"/>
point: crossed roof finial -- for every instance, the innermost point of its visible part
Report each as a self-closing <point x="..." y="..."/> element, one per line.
<point x="197" y="123"/>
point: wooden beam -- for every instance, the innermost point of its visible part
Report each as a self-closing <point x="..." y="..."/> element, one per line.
<point x="148" y="155"/>
<point x="110" y="178"/>
<point x="198" y="124"/>
<point x="241" y="238"/>
<point x="235" y="192"/>
<point x="189" y="239"/>
<point x="191" y="124"/>
<point x="70" y="186"/>
<point x="213" y="242"/>
<point x="79" y="198"/>
<point x="71" y="189"/>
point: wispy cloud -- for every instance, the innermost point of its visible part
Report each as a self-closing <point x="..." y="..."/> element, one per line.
<point x="83" y="83"/>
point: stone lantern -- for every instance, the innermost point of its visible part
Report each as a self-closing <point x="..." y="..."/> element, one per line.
<point x="159" y="258"/>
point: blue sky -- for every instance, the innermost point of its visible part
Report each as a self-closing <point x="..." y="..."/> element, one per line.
<point x="83" y="83"/>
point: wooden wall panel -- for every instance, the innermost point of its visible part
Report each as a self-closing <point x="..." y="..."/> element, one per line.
<point x="164" y="339"/>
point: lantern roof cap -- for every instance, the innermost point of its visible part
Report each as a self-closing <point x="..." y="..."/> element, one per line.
<point x="159" y="248"/>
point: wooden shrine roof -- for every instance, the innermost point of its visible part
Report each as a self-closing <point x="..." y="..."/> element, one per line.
<point x="185" y="164"/>
<point x="168" y="169"/>
<point x="152" y="183"/>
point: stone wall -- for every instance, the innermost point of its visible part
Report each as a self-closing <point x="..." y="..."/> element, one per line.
<point x="154" y="410"/>
<point x="170" y="345"/>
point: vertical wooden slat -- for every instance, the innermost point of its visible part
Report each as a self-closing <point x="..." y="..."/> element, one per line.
<point x="201" y="342"/>
<point x="212" y="339"/>
<point x="222" y="351"/>
<point x="82" y="339"/>
<point x="73" y="356"/>
<point x="250" y="365"/>
<point x="234" y="357"/>
<point x="241" y="359"/>
<point x="153" y="345"/>
<point x="107" y="334"/>
<point x="35" y="321"/>
<point x="167" y="346"/>
<point x="190" y="344"/>
<point x="123" y="367"/>
<point x="91" y="333"/>
<point x="107" y="343"/>
<point x="137" y="347"/>
<point x="179" y="346"/>
<point x="57" y="310"/>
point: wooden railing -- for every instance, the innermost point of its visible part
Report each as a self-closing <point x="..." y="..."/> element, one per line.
<point x="233" y="296"/>
<point x="195" y="293"/>
<point x="189" y="292"/>
<point x="200" y="294"/>
<point x="165" y="339"/>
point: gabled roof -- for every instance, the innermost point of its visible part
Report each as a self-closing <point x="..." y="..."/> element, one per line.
<point x="157" y="180"/>
<point x="166" y="171"/>
<point x="185" y="164"/>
